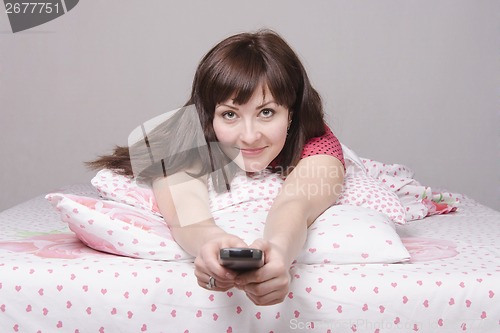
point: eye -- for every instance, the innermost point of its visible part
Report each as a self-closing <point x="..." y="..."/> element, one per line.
<point x="266" y="113"/>
<point x="229" y="115"/>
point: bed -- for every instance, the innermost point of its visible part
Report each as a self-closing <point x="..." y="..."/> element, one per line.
<point x="52" y="281"/>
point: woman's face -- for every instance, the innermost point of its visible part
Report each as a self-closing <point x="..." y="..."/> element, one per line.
<point x="252" y="134"/>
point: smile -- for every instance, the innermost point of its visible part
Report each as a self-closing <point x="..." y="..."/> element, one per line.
<point x="249" y="152"/>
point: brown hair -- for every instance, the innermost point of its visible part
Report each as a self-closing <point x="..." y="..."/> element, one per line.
<point x="235" y="68"/>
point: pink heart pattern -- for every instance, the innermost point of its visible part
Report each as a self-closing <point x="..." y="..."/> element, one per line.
<point x="50" y="282"/>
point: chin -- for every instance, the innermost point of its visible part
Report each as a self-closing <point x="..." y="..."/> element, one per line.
<point x="253" y="170"/>
<point x="251" y="166"/>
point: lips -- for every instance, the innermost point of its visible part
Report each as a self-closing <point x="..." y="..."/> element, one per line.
<point x="251" y="151"/>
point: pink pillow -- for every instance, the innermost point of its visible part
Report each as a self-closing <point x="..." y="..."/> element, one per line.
<point x="125" y="190"/>
<point x="365" y="191"/>
<point x="117" y="228"/>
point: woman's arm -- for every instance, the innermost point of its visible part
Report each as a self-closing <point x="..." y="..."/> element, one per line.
<point x="311" y="188"/>
<point x="183" y="202"/>
<point x="308" y="191"/>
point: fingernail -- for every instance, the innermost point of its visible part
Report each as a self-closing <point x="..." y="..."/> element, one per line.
<point x="230" y="276"/>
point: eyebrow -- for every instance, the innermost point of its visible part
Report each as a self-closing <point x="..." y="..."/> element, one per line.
<point x="266" y="103"/>
<point x="258" y="107"/>
<point x="227" y="105"/>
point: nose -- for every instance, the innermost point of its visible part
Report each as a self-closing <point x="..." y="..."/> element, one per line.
<point x="250" y="133"/>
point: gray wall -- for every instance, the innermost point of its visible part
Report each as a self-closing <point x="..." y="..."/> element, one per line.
<point x="412" y="82"/>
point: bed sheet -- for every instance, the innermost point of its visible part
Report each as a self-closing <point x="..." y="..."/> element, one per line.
<point x="50" y="282"/>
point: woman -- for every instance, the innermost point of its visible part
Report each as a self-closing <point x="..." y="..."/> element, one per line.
<point x="253" y="99"/>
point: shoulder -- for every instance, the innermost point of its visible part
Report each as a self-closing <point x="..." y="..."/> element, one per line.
<point x="326" y="144"/>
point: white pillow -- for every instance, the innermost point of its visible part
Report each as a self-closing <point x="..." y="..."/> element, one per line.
<point x="353" y="234"/>
<point x="342" y="234"/>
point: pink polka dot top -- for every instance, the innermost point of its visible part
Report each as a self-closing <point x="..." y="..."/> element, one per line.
<point x="327" y="144"/>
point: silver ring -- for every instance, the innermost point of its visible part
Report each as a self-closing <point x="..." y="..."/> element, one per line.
<point x="211" y="283"/>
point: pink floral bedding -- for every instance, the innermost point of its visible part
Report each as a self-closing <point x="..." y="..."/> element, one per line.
<point x="51" y="282"/>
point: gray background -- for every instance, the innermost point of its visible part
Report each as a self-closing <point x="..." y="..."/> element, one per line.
<point x="413" y="82"/>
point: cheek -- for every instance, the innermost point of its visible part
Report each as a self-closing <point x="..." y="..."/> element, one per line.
<point x="278" y="135"/>
<point x="221" y="132"/>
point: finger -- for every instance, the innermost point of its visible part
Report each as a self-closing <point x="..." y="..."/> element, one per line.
<point x="251" y="277"/>
<point x="260" y="244"/>
<point x="255" y="276"/>
<point x="219" y="272"/>
<point x="272" y="298"/>
<point x="264" y="246"/>
<point x="268" y="292"/>
<point x="216" y="286"/>
<point x="213" y="260"/>
<point x="209" y="265"/>
<point x="266" y="287"/>
<point x="203" y="278"/>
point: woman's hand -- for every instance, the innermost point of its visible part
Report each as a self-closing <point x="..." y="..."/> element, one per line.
<point x="207" y="263"/>
<point x="269" y="284"/>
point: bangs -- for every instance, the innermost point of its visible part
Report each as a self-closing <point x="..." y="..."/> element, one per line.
<point x="243" y="70"/>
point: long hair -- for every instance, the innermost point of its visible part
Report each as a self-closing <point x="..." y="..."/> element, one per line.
<point x="235" y="68"/>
